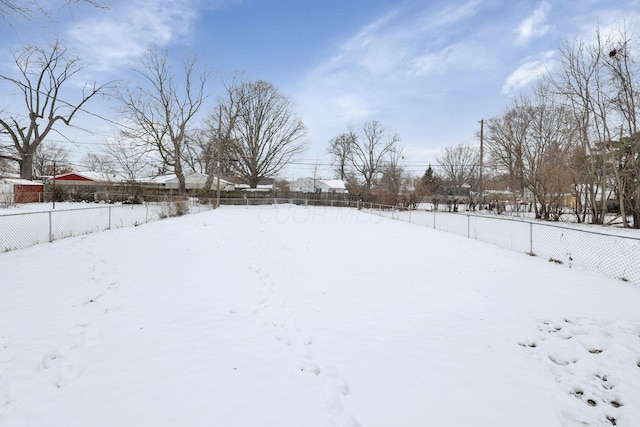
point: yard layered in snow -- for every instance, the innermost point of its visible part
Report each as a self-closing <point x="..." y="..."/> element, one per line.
<point x="294" y="316"/>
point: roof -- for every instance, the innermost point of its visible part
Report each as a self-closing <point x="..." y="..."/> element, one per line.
<point x="10" y="175"/>
<point x="18" y="181"/>
<point x="312" y="184"/>
<point x="193" y="180"/>
<point x="334" y="183"/>
<point x="88" y="176"/>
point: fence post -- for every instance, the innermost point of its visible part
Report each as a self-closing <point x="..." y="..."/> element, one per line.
<point x="50" y="229"/>
<point x="468" y="226"/>
<point x="434" y="219"/>
<point x="146" y="214"/>
<point x="109" y="227"/>
<point x="530" y="238"/>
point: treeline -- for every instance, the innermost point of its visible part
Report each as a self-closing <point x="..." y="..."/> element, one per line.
<point x="570" y="143"/>
<point x="576" y="133"/>
<point x="170" y="121"/>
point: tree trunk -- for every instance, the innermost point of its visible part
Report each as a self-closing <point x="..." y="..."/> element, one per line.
<point x="26" y="165"/>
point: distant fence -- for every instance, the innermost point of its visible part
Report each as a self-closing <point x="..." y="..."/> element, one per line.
<point x="260" y="201"/>
<point x="21" y="230"/>
<point x="25" y="229"/>
<point x="612" y="255"/>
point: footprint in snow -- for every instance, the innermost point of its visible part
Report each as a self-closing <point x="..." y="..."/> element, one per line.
<point x="575" y="362"/>
<point x="310" y="367"/>
<point x="4" y="350"/>
<point x="50" y="360"/>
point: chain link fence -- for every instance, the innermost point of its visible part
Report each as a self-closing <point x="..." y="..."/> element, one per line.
<point x="608" y="253"/>
<point x="25" y="229"/>
<point x="261" y="201"/>
<point x="21" y="230"/>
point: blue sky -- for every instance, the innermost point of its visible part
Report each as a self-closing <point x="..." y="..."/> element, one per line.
<point x="428" y="70"/>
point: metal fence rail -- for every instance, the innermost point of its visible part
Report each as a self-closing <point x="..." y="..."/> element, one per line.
<point x="612" y="255"/>
<point x="21" y="230"/>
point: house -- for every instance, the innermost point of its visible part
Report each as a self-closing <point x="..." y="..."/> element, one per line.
<point x="193" y="182"/>
<point x="311" y="185"/>
<point x="86" y="185"/>
<point x="336" y="186"/>
<point x="84" y="180"/>
<point x="266" y="185"/>
<point x="15" y="190"/>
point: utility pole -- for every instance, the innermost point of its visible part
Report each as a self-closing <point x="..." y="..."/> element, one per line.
<point x="219" y="143"/>
<point x="481" y="158"/>
<point x="53" y="190"/>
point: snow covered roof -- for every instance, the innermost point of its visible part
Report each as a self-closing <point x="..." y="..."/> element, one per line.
<point x="19" y="181"/>
<point x="89" y="176"/>
<point x="334" y="183"/>
<point x="10" y="175"/>
<point x="161" y="179"/>
<point x="309" y="185"/>
<point x="193" y="180"/>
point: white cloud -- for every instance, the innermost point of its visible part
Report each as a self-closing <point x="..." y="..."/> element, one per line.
<point x="388" y="56"/>
<point x="109" y="38"/>
<point x="528" y="71"/>
<point x="456" y="56"/>
<point x="535" y="25"/>
<point x="399" y="39"/>
<point x="451" y="14"/>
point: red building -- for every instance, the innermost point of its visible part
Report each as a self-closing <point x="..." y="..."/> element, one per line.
<point x="16" y="190"/>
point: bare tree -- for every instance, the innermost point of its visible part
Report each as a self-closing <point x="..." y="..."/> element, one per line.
<point x="624" y="76"/>
<point x="625" y="154"/>
<point x="394" y="178"/>
<point x="315" y="175"/>
<point x="161" y="111"/>
<point x="99" y="162"/>
<point x="340" y="151"/>
<point x="9" y="8"/>
<point x="599" y="80"/>
<point x="550" y="137"/>
<point x="199" y="151"/>
<point x="27" y="8"/>
<point x="131" y="160"/>
<point x="505" y="139"/>
<point x="579" y="82"/>
<point x="582" y="81"/>
<point x="370" y="152"/>
<point x="44" y="75"/>
<point x="266" y="133"/>
<point x="458" y="165"/>
<point x="46" y="156"/>
<point x="212" y="145"/>
<point x="5" y="168"/>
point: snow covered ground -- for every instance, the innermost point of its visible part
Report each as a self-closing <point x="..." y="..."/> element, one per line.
<point x="294" y="316"/>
